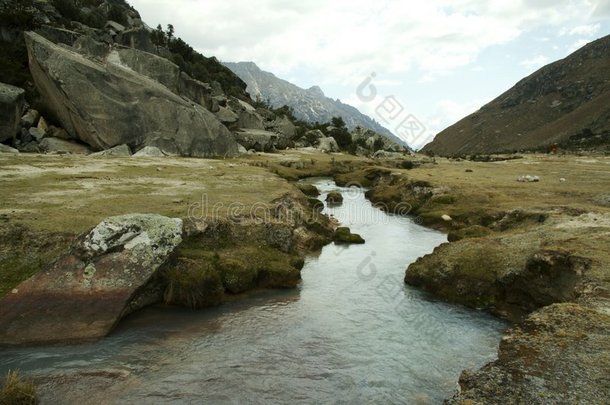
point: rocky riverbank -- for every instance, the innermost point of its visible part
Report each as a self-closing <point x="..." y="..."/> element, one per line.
<point x="533" y="253"/>
<point x="230" y="237"/>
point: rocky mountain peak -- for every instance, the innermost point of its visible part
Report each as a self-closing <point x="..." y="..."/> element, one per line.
<point x="316" y="91"/>
<point x="309" y="105"/>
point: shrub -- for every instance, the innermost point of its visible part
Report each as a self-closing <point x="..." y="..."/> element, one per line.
<point x="68" y="9"/>
<point x="194" y="284"/>
<point x="17" y="391"/>
<point x="116" y="13"/>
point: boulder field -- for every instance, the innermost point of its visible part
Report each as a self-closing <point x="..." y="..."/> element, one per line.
<point x="104" y="103"/>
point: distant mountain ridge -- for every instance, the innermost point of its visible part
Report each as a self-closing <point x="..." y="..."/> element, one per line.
<point x="566" y="102"/>
<point x="310" y="105"/>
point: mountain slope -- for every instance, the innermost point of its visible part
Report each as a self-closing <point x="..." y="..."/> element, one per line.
<point x="566" y="102"/>
<point x="309" y="105"/>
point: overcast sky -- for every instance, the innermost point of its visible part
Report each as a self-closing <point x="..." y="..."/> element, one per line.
<point x="441" y="59"/>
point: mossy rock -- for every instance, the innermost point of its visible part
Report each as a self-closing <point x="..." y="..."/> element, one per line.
<point x="236" y="276"/>
<point x="308" y="189"/>
<point x="193" y="283"/>
<point x="316" y="204"/>
<point x="334" y="198"/>
<point x="444" y="199"/>
<point x="278" y="275"/>
<point x="475" y="231"/>
<point x="344" y="235"/>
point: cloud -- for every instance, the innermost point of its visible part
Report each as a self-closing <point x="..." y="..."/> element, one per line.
<point x="346" y="39"/>
<point x="447" y="112"/>
<point x="535" y="62"/>
<point x="576" y="45"/>
<point x="588" y="30"/>
<point x="602" y="10"/>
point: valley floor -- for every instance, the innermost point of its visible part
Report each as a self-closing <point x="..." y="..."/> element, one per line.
<point x="532" y="252"/>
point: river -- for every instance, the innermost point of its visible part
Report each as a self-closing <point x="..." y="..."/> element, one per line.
<point x="351" y="333"/>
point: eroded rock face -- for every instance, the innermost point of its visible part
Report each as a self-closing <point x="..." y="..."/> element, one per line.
<point x="556" y="356"/>
<point x="107" y="104"/>
<point x="549" y="276"/>
<point x="11" y="105"/>
<point x="509" y="275"/>
<point x="85" y="293"/>
<point x="259" y="140"/>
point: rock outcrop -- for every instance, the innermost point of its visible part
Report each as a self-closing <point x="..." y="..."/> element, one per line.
<point x="309" y="105"/>
<point x="259" y="140"/>
<point x="556" y="356"/>
<point x="60" y="146"/>
<point x="117" y="151"/>
<point x="85" y="293"/>
<point x="345" y="235"/>
<point x="11" y="106"/>
<point x="509" y="275"/>
<point x="108" y="104"/>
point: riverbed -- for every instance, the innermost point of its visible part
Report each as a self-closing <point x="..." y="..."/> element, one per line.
<point x="351" y="333"/>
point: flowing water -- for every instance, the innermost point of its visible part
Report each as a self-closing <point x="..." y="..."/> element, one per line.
<point x="351" y="333"/>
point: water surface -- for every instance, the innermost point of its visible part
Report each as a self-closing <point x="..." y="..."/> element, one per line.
<point x="351" y="333"/>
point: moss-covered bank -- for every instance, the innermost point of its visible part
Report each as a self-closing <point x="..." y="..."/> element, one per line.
<point x="534" y="253"/>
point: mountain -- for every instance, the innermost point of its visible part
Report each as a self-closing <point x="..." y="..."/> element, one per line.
<point x="566" y="102"/>
<point x="310" y="105"/>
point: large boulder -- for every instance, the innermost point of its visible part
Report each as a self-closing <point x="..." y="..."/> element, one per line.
<point x="328" y="145"/>
<point x="117" y="151"/>
<point x="7" y="149"/>
<point x="259" y="140"/>
<point x="105" y="105"/>
<point x="11" y="106"/>
<point x="150" y="151"/>
<point x="247" y="115"/>
<point x="86" y="292"/>
<point x="56" y="145"/>
<point x="136" y="38"/>
<point x="282" y="125"/>
<point x="149" y="65"/>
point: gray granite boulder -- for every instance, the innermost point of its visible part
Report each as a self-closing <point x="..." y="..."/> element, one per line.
<point x="12" y="100"/>
<point x="84" y="294"/>
<point x="109" y="104"/>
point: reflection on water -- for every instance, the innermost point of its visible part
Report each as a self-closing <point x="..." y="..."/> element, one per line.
<point x="351" y="333"/>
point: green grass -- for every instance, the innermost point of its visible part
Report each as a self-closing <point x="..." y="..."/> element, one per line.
<point x="16" y="390"/>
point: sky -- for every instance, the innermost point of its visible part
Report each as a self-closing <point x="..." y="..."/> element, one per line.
<point x="430" y="62"/>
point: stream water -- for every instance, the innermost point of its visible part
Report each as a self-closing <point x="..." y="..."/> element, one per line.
<point x="351" y="333"/>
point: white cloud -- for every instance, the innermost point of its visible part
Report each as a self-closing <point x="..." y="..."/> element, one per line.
<point x="424" y="49"/>
<point x="576" y="45"/>
<point x="345" y="39"/>
<point x="588" y="30"/>
<point x="535" y="62"/>
<point x="448" y="112"/>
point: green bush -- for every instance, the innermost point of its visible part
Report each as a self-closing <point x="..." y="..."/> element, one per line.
<point x="68" y="9"/>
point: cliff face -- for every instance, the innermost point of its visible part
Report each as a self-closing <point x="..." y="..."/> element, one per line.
<point x="566" y="102"/>
<point x="310" y="105"/>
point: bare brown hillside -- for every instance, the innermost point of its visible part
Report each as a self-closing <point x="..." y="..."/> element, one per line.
<point x="566" y="102"/>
